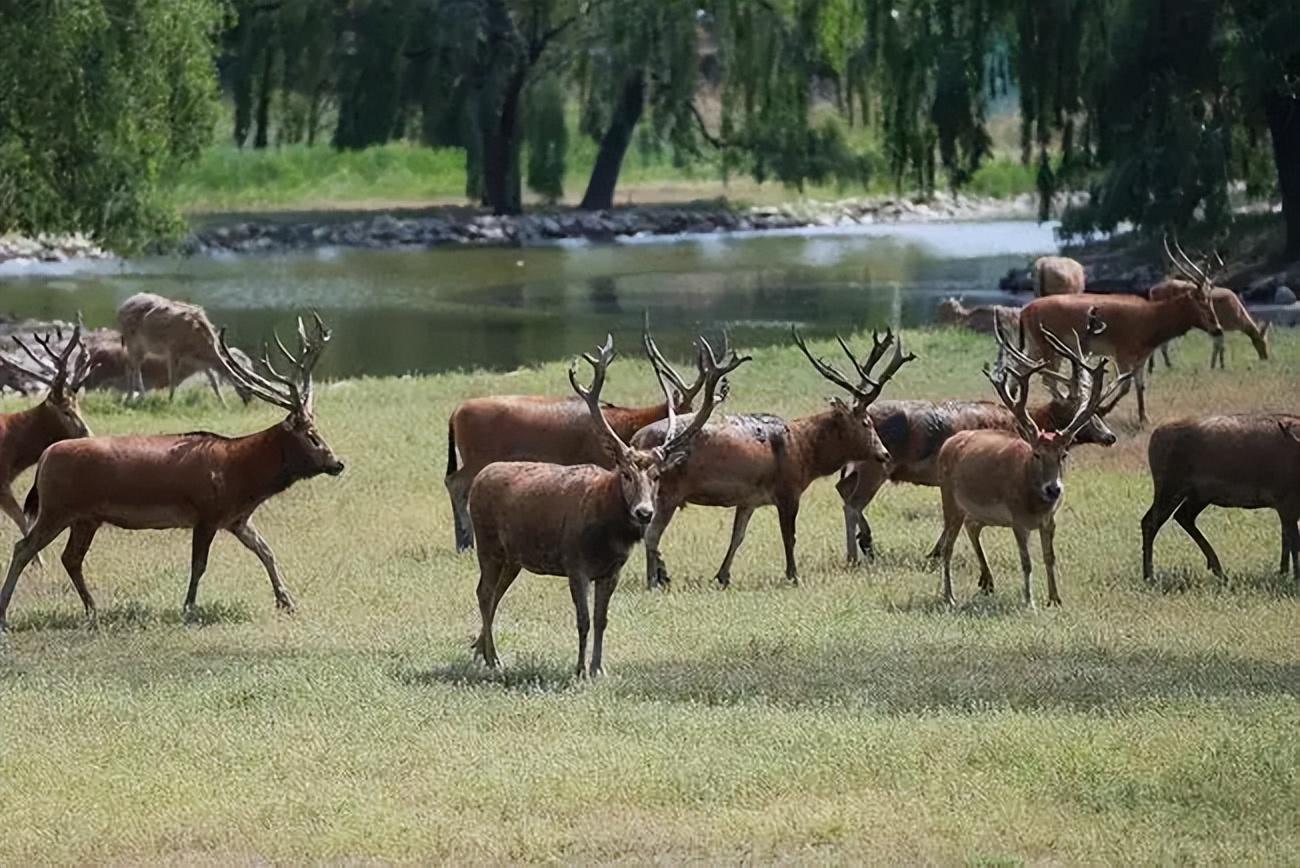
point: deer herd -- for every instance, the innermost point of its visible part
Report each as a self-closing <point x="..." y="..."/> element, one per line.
<point x="568" y="485"/>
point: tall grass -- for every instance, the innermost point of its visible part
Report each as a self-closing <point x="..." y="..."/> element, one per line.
<point x="848" y="719"/>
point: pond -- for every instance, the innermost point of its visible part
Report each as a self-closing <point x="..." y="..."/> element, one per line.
<point x="399" y="311"/>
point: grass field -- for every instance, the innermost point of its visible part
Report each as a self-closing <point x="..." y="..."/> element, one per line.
<point x="849" y="719"/>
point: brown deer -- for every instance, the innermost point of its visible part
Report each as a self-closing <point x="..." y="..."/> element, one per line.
<point x="179" y="333"/>
<point x="26" y="434"/>
<point x="1248" y="461"/>
<point x="199" y="480"/>
<point x="915" y="431"/>
<point x="1135" y="327"/>
<point x="1057" y="275"/>
<point x="1002" y="479"/>
<point x="112" y="368"/>
<point x="554" y="429"/>
<point x="579" y="521"/>
<point x="981" y="318"/>
<point x="1232" y="314"/>
<point x="756" y="459"/>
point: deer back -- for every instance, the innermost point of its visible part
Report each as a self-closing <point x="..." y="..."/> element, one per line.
<point x="1058" y="275"/>
<point x="1246" y="460"/>
<point x="163" y="326"/>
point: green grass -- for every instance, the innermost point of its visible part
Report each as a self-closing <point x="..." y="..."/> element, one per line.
<point x="849" y="719"/>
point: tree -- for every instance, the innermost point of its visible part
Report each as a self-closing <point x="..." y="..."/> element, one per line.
<point x="102" y="100"/>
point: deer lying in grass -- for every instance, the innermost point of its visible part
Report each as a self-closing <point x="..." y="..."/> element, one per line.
<point x="198" y="480"/>
<point x="1135" y="327"/>
<point x="579" y="521"/>
<point x="26" y="434"/>
<point x="982" y="318"/>
<point x="179" y="333"/>
<point x="915" y="431"/>
<point x="1232" y="315"/>
<point x="1003" y="479"/>
<point x="1248" y="461"/>
<point x="1058" y="275"/>
<point x="556" y="430"/>
<point x="754" y="460"/>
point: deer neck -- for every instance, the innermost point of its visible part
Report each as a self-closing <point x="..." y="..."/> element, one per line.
<point x="26" y="434"/>
<point x="1171" y="318"/>
<point x="614" y="526"/>
<point x="260" y="465"/>
<point x="817" y="447"/>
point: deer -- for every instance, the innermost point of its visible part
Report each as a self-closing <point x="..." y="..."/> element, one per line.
<point x="554" y="429"/>
<point x="914" y="431"/>
<point x="181" y="334"/>
<point x="26" y="434"/>
<point x="1135" y="327"/>
<point x="1057" y="275"/>
<point x="1247" y="461"/>
<point x="199" y="480"/>
<point x="112" y="368"/>
<point x="981" y="318"/>
<point x="1015" y="479"/>
<point x="757" y="459"/>
<point x="1232" y="315"/>
<point x="581" y="521"/>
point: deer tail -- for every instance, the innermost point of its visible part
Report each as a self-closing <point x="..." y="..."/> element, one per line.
<point x="451" y="447"/>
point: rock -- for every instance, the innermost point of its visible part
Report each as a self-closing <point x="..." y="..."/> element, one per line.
<point x="1283" y="295"/>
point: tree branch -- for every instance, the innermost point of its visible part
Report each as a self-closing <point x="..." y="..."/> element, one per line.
<point x="711" y="139"/>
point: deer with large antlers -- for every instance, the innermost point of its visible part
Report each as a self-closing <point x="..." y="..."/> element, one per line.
<point x="914" y="431"/>
<point x="580" y="521"/>
<point x="553" y="429"/>
<point x="1002" y="479"/>
<point x="753" y="460"/>
<point x="1135" y="327"/>
<point x="26" y="434"/>
<point x="198" y="480"/>
<point x="1232" y="315"/>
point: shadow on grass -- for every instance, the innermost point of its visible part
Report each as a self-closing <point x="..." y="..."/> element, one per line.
<point x="130" y="616"/>
<point x="527" y="675"/>
<point x="959" y="675"/>
<point x="1180" y="580"/>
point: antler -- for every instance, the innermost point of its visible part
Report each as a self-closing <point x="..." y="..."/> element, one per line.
<point x="663" y="369"/>
<point x="1089" y="381"/>
<point x="53" y="371"/>
<point x="714" y="371"/>
<point x="285" y="392"/>
<point x="868" y="389"/>
<point x="1189" y="269"/>
<point x="599" y="365"/>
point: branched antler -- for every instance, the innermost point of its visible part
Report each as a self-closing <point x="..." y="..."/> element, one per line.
<point x="291" y="393"/>
<point x="868" y="388"/>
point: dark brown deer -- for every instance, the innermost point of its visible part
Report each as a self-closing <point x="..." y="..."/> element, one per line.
<point x="554" y="429"/>
<point x="1135" y="327"/>
<point x="199" y="480"/>
<point x="178" y="332"/>
<point x="1248" y="461"/>
<point x="1002" y="479"/>
<point x="754" y="460"/>
<point x="579" y="521"/>
<point x="24" y="435"/>
<point x="915" y="431"/>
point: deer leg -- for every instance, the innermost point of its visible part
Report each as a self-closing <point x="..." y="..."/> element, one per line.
<point x="494" y="579"/>
<point x="1164" y="354"/>
<point x="79" y="540"/>
<point x="253" y="541"/>
<point x="25" y="549"/>
<point x="216" y="387"/>
<point x="458" y="491"/>
<point x="15" y="512"/>
<point x="738" y="526"/>
<point x="1162" y="507"/>
<point x="656" y="574"/>
<point x="1140" y="383"/>
<point x="604" y="590"/>
<point x="199" y="545"/>
<point x="788" y="514"/>
<point x="1216" y="351"/>
<point x="1294" y="522"/>
<point x="1186" y="515"/>
<point x="1047" y="538"/>
<point x="171" y="378"/>
<point x="953" y="519"/>
<point x="986" y="575"/>
<point x="578" y="590"/>
<point x="1026" y="565"/>
<point x="857" y="488"/>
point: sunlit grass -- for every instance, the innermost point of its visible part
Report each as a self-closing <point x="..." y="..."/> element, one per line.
<point x="849" y="719"/>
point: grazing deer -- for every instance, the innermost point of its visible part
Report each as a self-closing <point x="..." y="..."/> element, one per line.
<point x="556" y="430"/>
<point x="1248" y="461"/>
<point x="199" y="480"/>
<point x="756" y="459"/>
<point x="179" y="333"/>
<point x="915" y="431"/>
<point x="1003" y="479"/>
<point x="981" y="318"/>
<point x="1232" y="314"/>
<point x="26" y="434"/>
<point x="1135" y="327"/>
<point x="579" y="521"/>
<point x="1058" y="275"/>
<point x="111" y="368"/>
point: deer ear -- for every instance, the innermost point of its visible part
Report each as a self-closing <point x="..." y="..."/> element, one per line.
<point x="838" y="405"/>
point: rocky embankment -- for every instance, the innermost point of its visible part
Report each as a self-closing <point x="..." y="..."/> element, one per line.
<point x="49" y="248"/>
<point x="445" y="228"/>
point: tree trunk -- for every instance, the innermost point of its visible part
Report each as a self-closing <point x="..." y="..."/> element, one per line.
<point x="613" y="145"/>
<point x="501" y="182"/>
<point x="264" y="99"/>
<point x="1283" y="113"/>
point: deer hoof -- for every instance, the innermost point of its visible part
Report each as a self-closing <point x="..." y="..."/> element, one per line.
<point x="285" y="604"/>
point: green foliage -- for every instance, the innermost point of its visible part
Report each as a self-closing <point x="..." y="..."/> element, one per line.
<point x="547" y="137"/>
<point x="101" y="100"/>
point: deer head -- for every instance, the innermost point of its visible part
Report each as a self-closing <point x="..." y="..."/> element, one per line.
<point x="62" y="371"/>
<point x="1200" y="298"/>
<point x="852" y="421"/>
<point x="639" y="469"/>
<point x="309" y="454"/>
